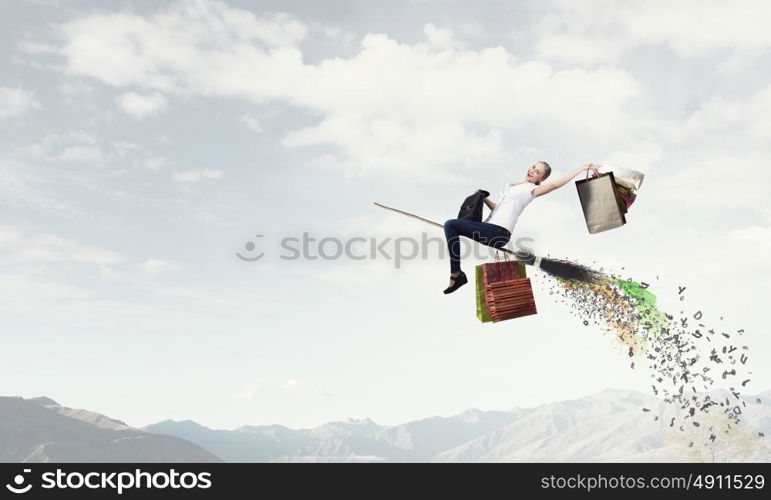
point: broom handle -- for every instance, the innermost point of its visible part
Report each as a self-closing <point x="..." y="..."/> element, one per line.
<point x="506" y="250"/>
<point x="407" y="214"/>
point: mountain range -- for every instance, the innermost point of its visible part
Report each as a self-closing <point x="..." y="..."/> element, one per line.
<point x="611" y="426"/>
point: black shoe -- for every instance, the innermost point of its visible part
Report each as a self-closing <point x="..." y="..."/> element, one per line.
<point x="460" y="280"/>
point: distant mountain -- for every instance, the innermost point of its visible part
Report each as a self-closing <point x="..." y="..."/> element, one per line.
<point x="609" y="426"/>
<point x="612" y="426"/>
<point x="350" y="428"/>
<point x="349" y="441"/>
<point x="265" y="443"/>
<point x="41" y="430"/>
<point x="245" y="444"/>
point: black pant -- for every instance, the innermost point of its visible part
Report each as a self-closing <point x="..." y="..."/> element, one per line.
<point x="483" y="232"/>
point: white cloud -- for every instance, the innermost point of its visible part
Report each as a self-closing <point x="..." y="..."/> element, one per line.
<point x="579" y="49"/>
<point x="37" y="47"/>
<point x="718" y="153"/>
<point x="124" y="49"/>
<point x="73" y="147"/>
<point x="342" y="37"/>
<point x="248" y="391"/>
<point x="139" y="106"/>
<point x="24" y="291"/>
<point x="156" y="162"/>
<point x="442" y="108"/>
<point x="16" y="102"/>
<point x="371" y="145"/>
<point x="28" y="189"/>
<point x="75" y="87"/>
<point x="755" y="234"/>
<point x="746" y="119"/>
<point x="107" y="273"/>
<point x="81" y="152"/>
<point x="155" y="267"/>
<point x="419" y="109"/>
<point x="438" y="37"/>
<point x="290" y="385"/>
<point x="19" y="246"/>
<point x="193" y="176"/>
<point x="46" y="3"/>
<point x="252" y="123"/>
<point x="32" y="266"/>
<point x="601" y="30"/>
<point x="695" y="27"/>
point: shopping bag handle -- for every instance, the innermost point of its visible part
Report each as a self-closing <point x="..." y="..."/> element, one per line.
<point x="587" y="175"/>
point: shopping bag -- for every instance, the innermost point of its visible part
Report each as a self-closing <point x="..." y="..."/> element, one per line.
<point x="503" y="291"/>
<point x="627" y="181"/>
<point x="601" y="203"/>
<point x="482" y="313"/>
<point x="631" y="179"/>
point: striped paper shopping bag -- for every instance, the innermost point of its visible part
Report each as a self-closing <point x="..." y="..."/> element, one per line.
<point x="503" y="291"/>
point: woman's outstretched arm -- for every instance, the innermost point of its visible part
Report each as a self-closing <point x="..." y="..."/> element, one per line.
<point x="548" y="188"/>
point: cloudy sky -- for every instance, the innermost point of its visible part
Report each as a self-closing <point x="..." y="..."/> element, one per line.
<point x="145" y="143"/>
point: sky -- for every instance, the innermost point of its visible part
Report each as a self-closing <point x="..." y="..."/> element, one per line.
<point x="145" y="145"/>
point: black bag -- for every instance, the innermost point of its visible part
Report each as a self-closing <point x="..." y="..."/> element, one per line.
<point x="471" y="209"/>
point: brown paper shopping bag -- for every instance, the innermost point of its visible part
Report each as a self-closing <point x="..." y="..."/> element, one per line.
<point x="503" y="291"/>
<point x="601" y="203"/>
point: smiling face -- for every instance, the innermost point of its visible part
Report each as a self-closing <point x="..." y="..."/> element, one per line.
<point x="538" y="172"/>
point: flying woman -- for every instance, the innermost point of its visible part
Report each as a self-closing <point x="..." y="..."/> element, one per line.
<point x="496" y="230"/>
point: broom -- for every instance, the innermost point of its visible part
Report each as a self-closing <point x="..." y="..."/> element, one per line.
<point x="558" y="268"/>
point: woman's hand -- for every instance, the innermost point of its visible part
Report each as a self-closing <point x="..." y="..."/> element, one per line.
<point x="490" y="203"/>
<point x="593" y="168"/>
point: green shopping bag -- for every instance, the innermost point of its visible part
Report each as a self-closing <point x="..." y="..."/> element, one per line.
<point x="482" y="313"/>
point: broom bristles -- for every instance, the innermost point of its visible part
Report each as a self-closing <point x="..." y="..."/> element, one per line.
<point x="569" y="271"/>
<point x="558" y="268"/>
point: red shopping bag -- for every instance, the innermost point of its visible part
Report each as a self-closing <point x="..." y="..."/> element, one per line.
<point x="503" y="291"/>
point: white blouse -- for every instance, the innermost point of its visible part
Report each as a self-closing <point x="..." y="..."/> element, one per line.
<point x="514" y="199"/>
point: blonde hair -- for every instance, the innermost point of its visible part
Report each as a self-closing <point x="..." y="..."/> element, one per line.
<point x="546" y="170"/>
